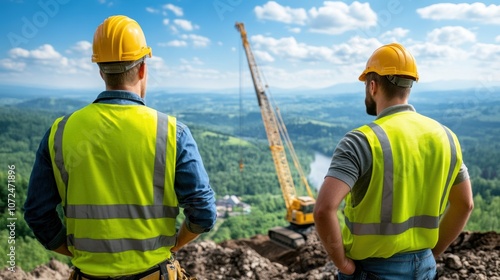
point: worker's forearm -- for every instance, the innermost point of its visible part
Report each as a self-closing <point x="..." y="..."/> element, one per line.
<point x="329" y="232"/>
<point x="63" y="249"/>
<point x="184" y="237"/>
<point x="451" y="225"/>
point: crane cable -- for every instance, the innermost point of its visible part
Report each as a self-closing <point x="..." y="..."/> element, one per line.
<point x="240" y="132"/>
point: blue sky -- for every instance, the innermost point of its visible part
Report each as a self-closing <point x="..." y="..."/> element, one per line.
<point x="298" y="44"/>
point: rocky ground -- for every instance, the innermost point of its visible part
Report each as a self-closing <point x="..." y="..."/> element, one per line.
<point x="472" y="256"/>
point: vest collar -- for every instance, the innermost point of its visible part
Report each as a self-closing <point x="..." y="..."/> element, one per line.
<point x="108" y="95"/>
<point x="395" y="109"/>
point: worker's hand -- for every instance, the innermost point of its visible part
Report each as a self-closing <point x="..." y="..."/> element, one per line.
<point x="348" y="267"/>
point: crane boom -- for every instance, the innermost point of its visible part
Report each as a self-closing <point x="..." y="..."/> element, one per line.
<point x="271" y="125"/>
<point x="299" y="209"/>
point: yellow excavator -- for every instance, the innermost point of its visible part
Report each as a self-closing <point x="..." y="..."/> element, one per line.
<point x="299" y="208"/>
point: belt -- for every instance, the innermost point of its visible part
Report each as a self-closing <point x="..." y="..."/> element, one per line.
<point x="157" y="272"/>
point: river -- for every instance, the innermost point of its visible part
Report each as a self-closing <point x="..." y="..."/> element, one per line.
<point x="319" y="167"/>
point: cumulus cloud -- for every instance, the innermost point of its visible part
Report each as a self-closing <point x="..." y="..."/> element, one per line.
<point x="152" y="10"/>
<point x="263" y="56"/>
<point x="356" y="49"/>
<point x="185" y="24"/>
<point x="174" y="43"/>
<point x="338" y="17"/>
<point x="394" y="35"/>
<point x="486" y="52"/>
<point x="44" y="52"/>
<point x="334" y="17"/>
<point x="437" y="53"/>
<point x="289" y="48"/>
<point x="478" y="12"/>
<point x="166" y="21"/>
<point x="175" y="9"/>
<point x="274" y="11"/>
<point x="83" y="47"/>
<point x="196" y="40"/>
<point x="452" y="35"/>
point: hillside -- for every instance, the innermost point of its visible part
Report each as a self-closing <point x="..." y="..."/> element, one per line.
<point x="472" y="256"/>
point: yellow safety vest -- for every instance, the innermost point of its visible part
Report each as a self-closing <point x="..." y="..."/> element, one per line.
<point x="114" y="167"/>
<point x="415" y="161"/>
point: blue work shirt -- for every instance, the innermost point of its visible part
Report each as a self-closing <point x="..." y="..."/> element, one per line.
<point x="192" y="187"/>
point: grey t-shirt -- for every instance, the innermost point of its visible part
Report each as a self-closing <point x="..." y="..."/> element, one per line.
<point x="352" y="159"/>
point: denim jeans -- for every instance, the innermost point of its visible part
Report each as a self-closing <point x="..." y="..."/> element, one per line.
<point x="419" y="265"/>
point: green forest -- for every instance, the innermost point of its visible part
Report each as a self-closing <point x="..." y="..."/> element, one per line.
<point x="228" y="130"/>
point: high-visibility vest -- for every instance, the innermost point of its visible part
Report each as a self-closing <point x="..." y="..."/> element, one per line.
<point x="415" y="161"/>
<point x="114" y="167"/>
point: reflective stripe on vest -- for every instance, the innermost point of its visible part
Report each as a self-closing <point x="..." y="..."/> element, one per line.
<point x="108" y="229"/>
<point x="386" y="226"/>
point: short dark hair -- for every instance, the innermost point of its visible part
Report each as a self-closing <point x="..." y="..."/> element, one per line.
<point x="119" y="79"/>
<point x="390" y="89"/>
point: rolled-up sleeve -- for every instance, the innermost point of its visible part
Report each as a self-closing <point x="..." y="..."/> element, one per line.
<point x="192" y="186"/>
<point x="40" y="207"/>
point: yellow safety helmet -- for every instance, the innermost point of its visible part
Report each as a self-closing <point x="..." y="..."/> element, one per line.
<point x="392" y="60"/>
<point x="117" y="39"/>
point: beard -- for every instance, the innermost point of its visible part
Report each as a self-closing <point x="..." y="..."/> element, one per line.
<point x="371" y="105"/>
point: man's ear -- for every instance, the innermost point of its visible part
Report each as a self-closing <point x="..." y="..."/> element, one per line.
<point x="373" y="88"/>
<point x="142" y="71"/>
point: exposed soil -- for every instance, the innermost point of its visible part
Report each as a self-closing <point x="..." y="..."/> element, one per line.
<point x="473" y="255"/>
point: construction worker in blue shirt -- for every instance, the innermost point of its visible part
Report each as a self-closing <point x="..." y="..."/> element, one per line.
<point x="407" y="191"/>
<point x="121" y="171"/>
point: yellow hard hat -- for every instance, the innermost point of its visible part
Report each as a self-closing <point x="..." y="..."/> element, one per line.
<point x="119" y="38"/>
<point x="391" y="60"/>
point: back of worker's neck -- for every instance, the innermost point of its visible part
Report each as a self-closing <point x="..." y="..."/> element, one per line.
<point x="384" y="103"/>
<point x="133" y="89"/>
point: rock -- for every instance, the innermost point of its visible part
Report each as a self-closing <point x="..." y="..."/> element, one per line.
<point x="473" y="255"/>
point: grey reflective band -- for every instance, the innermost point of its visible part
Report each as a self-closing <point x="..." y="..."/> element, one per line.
<point x="58" y="155"/>
<point x="453" y="162"/>
<point x="387" y="194"/>
<point x="400" y="81"/>
<point x="428" y="222"/>
<point x="120" y="211"/>
<point x="160" y="158"/>
<point x="386" y="226"/>
<point x="59" y="159"/>
<point x="120" y="245"/>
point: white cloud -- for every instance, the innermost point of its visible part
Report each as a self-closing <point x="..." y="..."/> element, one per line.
<point x="263" y="56"/>
<point x="185" y="24"/>
<point x="497" y="39"/>
<point x="357" y="49"/>
<point x="174" y="43"/>
<point x="197" y="40"/>
<point x="152" y="10"/>
<point x="394" y="35"/>
<point x="452" y="35"/>
<point x="175" y="9"/>
<point x="486" y="52"/>
<point x="294" y="30"/>
<point x="83" y="47"/>
<point x="166" y="21"/>
<point x="44" y="52"/>
<point x="478" y="12"/>
<point x="12" y="65"/>
<point x="437" y="53"/>
<point x="338" y="17"/>
<point x="289" y="48"/>
<point x="274" y="11"/>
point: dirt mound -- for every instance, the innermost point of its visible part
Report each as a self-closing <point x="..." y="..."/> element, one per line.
<point x="472" y="256"/>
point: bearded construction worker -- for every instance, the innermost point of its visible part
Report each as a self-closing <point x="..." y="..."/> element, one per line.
<point x="121" y="171"/>
<point x="407" y="191"/>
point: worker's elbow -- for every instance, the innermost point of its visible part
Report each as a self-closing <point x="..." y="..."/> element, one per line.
<point x="320" y="213"/>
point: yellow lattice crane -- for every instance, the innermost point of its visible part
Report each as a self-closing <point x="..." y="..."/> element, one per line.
<point x="299" y="208"/>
